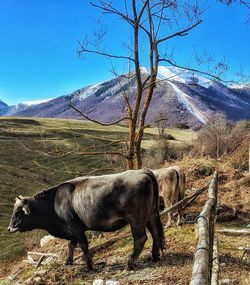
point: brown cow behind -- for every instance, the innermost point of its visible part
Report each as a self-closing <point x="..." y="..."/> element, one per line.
<point x="171" y="182"/>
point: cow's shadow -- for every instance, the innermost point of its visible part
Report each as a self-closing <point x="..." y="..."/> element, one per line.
<point x="171" y="260"/>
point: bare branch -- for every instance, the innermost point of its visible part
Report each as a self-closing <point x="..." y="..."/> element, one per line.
<point x="231" y="2"/>
<point x="102" y="152"/>
<point x="102" y="53"/>
<point x="95" y="121"/>
<point x="245" y="3"/>
<point x="108" y="8"/>
<point x="142" y="11"/>
<point x="179" y="33"/>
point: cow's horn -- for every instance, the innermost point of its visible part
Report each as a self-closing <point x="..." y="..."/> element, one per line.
<point x="19" y="197"/>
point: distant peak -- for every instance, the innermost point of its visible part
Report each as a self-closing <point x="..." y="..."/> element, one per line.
<point x="1" y="101"/>
<point x="240" y="85"/>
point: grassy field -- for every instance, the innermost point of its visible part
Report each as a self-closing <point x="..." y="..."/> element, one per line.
<point x="39" y="153"/>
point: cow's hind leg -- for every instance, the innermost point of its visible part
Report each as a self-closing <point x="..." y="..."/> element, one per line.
<point x="140" y="237"/>
<point x="156" y="235"/>
<point x="72" y="245"/>
<point x="168" y="204"/>
<point x="179" y="216"/>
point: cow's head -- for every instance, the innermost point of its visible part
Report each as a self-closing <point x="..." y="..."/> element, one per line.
<point x="20" y="219"/>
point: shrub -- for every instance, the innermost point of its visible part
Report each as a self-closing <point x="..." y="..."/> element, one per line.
<point x="205" y="170"/>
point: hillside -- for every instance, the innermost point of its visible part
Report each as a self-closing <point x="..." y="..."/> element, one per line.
<point x="180" y="95"/>
<point x="39" y="153"/>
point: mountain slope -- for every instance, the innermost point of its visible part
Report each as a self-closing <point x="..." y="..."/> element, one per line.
<point x="180" y="95"/>
<point x="4" y="108"/>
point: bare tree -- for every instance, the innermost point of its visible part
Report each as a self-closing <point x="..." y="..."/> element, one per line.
<point x="212" y="137"/>
<point x="220" y="136"/>
<point x="152" y="23"/>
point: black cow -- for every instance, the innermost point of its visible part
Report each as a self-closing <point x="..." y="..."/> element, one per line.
<point x="101" y="203"/>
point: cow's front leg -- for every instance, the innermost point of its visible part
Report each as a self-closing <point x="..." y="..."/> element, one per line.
<point x="72" y="245"/>
<point x="83" y="242"/>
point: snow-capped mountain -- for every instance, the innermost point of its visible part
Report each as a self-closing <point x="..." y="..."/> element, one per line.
<point x="181" y="95"/>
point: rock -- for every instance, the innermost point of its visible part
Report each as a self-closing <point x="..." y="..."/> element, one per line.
<point x="108" y="282"/>
<point x="45" y="240"/>
<point x="227" y="281"/>
<point x="41" y="272"/>
<point x="28" y="281"/>
<point x="98" y="282"/>
<point x="37" y="279"/>
<point x="111" y="282"/>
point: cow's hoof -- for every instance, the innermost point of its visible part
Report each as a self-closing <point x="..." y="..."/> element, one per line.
<point x="89" y="267"/>
<point x="156" y="258"/>
<point x="132" y="265"/>
<point x="69" y="262"/>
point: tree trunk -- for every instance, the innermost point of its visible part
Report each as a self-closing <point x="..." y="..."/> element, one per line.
<point x="131" y="148"/>
<point x="138" y="162"/>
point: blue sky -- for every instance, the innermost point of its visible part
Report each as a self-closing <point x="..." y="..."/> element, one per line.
<point x="39" y="40"/>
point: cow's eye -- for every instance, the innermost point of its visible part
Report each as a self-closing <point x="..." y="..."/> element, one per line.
<point x="19" y="213"/>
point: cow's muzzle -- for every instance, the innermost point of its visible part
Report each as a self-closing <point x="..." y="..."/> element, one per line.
<point x="12" y="230"/>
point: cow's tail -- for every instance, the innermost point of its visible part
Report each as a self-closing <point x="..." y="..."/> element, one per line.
<point x="181" y="179"/>
<point x="182" y="185"/>
<point x="178" y="184"/>
<point x="157" y="208"/>
<point x="181" y="192"/>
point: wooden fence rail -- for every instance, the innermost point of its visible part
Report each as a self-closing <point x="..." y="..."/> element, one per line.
<point x="203" y="256"/>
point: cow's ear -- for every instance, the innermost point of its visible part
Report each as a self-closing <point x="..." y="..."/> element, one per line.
<point x="26" y="209"/>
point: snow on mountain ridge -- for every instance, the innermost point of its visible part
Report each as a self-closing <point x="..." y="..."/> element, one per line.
<point x="186" y="100"/>
<point x="35" y="102"/>
<point x="116" y="84"/>
<point x="89" y="91"/>
<point x="172" y="73"/>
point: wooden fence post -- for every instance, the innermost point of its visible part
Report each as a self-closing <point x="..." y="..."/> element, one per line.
<point x="203" y="256"/>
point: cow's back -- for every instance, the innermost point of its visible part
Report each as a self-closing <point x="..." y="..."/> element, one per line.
<point x="102" y="201"/>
